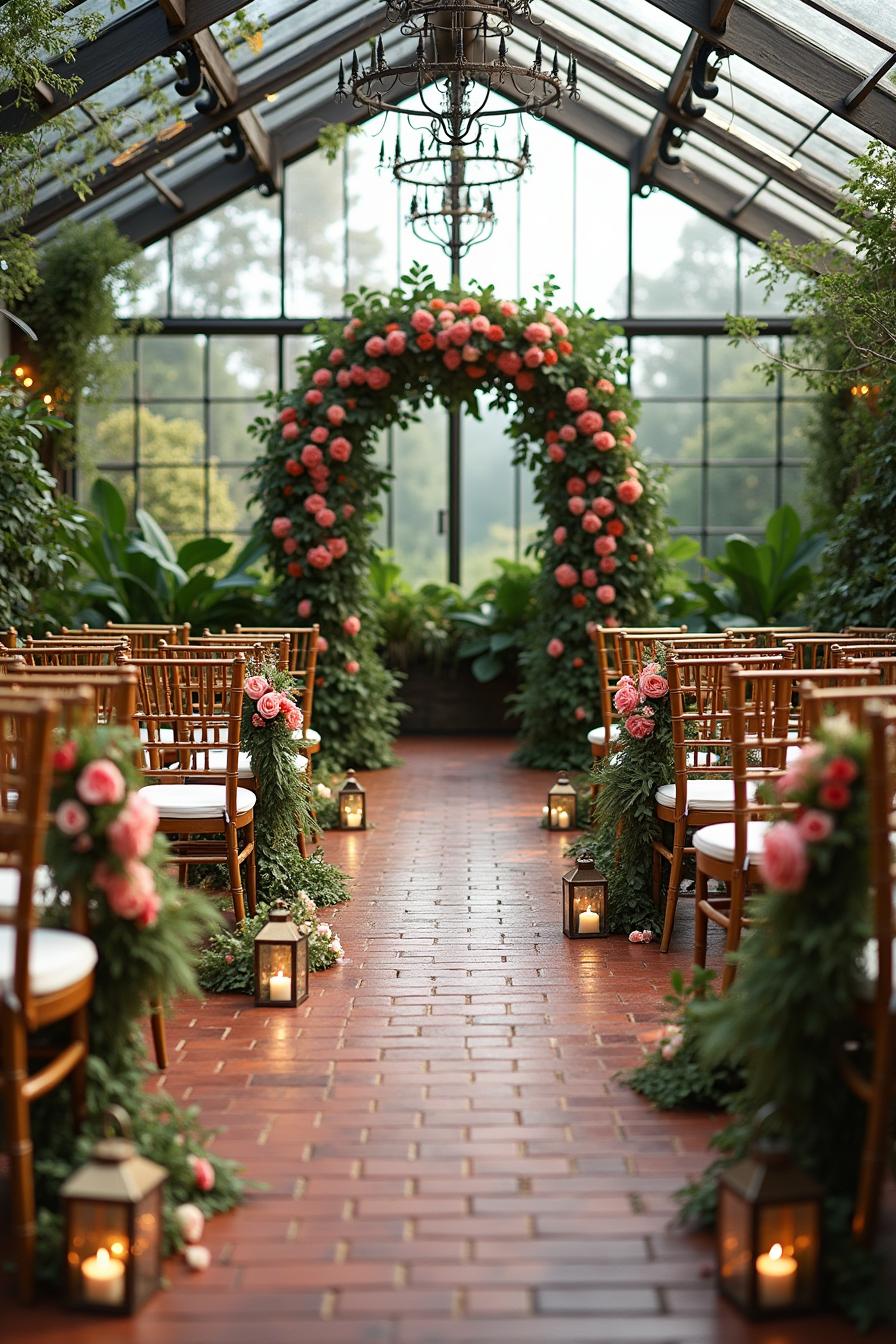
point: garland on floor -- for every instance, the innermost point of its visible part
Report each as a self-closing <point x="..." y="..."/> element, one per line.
<point x="227" y="965"/>
<point x="104" y="842"/>
<point x="794" y="997"/>
<point x="560" y="378"/>
<point x="624" y="822"/>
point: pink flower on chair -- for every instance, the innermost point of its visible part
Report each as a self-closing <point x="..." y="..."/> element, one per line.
<point x="639" y="727"/>
<point x="814" y="825"/>
<point x="130" y="835"/>
<point x="626" y="698"/>
<point x="64" y="756"/>
<point x="131" y="892"/>
<point x="785" y="863"/>
<point x="256" y="687"/>
<point x="71" y="817"/>
<point x="268" y="705"/>
<point x="653" y="685"/>
<point x="99" y="783"/>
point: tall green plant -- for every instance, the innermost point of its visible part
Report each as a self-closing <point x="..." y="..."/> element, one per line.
<point x="497" y="627"/>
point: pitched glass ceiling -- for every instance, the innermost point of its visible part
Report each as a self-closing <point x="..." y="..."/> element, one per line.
<point x="764" y="153"/>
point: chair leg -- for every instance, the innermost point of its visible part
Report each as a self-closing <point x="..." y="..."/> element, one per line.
<point x="701" y="922"/>
<point x="233" y="867"/>
<point x="183" y="874"/>
<point x="251" y="875"/>
<point x="877" y="1135"/>
<point x="159" y="1043"/>
<point x="80" y="1029"/>
<point x="675" y="867"/>
<point x="737" y="889"/>
<point x="20" y="1149"/>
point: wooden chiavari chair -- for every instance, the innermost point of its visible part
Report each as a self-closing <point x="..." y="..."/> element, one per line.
<point x="67" y="653"/>
<point x="638" y="649"/>
<point x="303" y="641"/>
<point x="702" y="791"/>
<point x="885" y="667"/>
<point x="268" y="648"/>
<point x="608" y="649"/>
<point x="145" y="638"/>
<point x="870" y="631"/>
<point x="842" y="653"/>
<point x="876" y="1008"/>
<point x="190" y="709"/>
<point x="766" y="721"/>
<point x="46" y="975"/>
<point x="767" y="636"/>
<point x="822" y="702"/>
<point x="817" y="650"/>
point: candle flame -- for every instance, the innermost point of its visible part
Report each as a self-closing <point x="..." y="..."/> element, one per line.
<point x="102" y="1255"/>
<point x="776" y="1251"/>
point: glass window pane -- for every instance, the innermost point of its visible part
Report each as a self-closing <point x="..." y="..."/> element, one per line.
<point x="796" y="421"/>
<point x="152" y="296"/>
<point x="175" y="496"/>
<point x="753" y="299"/>
<point x="229" y="499"/>
<point x="242" y="365"/>
<point x="740" y="497"/>
<point x="227" y="264"/>
<point x="670" y="431"/>
<point x="495" y="261"/>
<point x="419" y="491"/>
<point x="668" y="366"/>
<point x="106" y="434"/>
<point x="293" y="347"/>
<point x="601" y="258"/>
<point x="487" y="495"/>
<point x="793" y="490"/>
<point x="171" y="433"/>
<point x="733" y="369"/>
<point x="546" y="212"/>
<point x="373" y="215"/>
<point x="315" y="236"/>
<point x="684" y="490"/>
<point x="229" y="437"/>
<point x="741" y="429"/>
<point x="171" y="366"/>
<point x="684" y="264"/>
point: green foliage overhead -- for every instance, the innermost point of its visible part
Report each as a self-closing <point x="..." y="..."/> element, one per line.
<point x="40" y="529"/>
<point x="136" y="575"/>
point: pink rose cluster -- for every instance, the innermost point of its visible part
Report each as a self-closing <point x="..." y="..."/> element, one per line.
<point x="631" y="700"/>
<point x="271" y="703"/>
<point x="819" y="782"/>
<point x="640" y="936"/>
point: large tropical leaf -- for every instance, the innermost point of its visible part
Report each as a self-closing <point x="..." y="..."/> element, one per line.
<point x="108" y="506"/>
<point x="155" y="535"/>
<point x="202" y="551"/>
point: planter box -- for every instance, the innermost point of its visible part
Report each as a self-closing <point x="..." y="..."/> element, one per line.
<point x="451" y="702"/>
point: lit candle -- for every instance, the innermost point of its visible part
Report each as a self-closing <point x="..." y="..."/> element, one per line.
<point x="553" y="816"/>
<point x="777" y="1279"/>
<point x="281" y="987"/>
<point x="353" y="820"/>
<point x="545" y="810"/>
<point x="563" y="819"/>
<point x="103" y="1280"/>
<point x="589" y="921"/>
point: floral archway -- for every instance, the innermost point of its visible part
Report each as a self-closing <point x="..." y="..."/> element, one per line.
<point x="573" y="424"/>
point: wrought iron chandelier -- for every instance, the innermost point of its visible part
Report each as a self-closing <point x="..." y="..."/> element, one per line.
<point x="461" y="58"/>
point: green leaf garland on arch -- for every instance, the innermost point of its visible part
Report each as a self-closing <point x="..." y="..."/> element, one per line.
<point x="561" y="379"/>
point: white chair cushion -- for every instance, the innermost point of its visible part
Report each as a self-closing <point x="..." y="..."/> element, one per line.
<point x="56" y="959"/>
<point x="710" y="795"/>
<point x="717" y="842"/>
<point x="194" y="801"/>
<point x="41" y="896"/>
<point x="599" y="735"/>
<point x="307" y="735"/>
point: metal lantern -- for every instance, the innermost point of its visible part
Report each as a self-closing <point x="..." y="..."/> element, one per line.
<point x="768" y="1228"/>
<point x="113" y="1217"/>
<point x="560" y="810"/>
<point x="281" y="961"/>
<point x="585" y="901"/>
<point x="352" y="805"/>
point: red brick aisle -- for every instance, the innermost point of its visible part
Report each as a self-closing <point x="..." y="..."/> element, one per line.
<point x="446" y="1152"/>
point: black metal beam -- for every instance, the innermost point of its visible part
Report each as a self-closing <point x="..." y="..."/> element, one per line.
<point x="816" y="72"/>
<point x="248" y="95"/>
<point x="291" y="326"/>
<point x="122" y="47"/>
<point x="679" y="83"/>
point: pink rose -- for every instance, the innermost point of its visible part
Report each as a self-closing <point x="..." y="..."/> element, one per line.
<point x="344" y="378"/>
<point x="589" y="422"/>
<point x="509" y="363"/>
<point x="203" y="1172"/>
<point x="351" y="625"/>
<point x="616" y="417"/>
<point x="604" y="441"/>
<point x="322" y="377"/>
<point x="577" y="399"/>
<point x="358" y="375"/>
<point x="834" y="795"/>
<point x="281" y="527"/>
<point x="290" y="431"/>
<point x="580" y="713"/>
<point x="639" y="727"/>
<point x="629" y="491"/>
<point x="470" y="354"/>
<point x="452" y="359"/>
<point x="604" y="385"/>
<point x="319" y="557"/>
<point x="322" y="644"/>
<point x="64" y="756"/>
<point x="340" y="449"/>
<point x="635" y="936"/>
<point x="537" y="333"/>
<point x="257" y="686"/>
<point x="507" y="309"/>
<point x="130" y="835"/>
<point x="422" y="320"/>
<point x="840" y="770"/>
<point x="290" y="546"/>
<point x="336" y="355"/>
<point x="337" y="546"/>
<point x="589" y="578"/>
<point x="258" y="721"/>
<point x="152" y="904"/>
<point x="348" y="511"/>
<point x="605" y="546"/>
<point x="377" y="379"/>
<point x="319" y="434"/>
<point x="566" y="576"/>
<point x="325" y="517"/>
<point x="396" y="342"/>
<point x="602" y="506"/>
<point x="814" y="825"/>
<point x="576" y="506"/>
<point x="555" y="647"/>
<point x="294" y="719"/>
<point x="130" y="892"/>
<point x="591" y="522"/>
<point x="71" y="817"/>
<point x="567" y="433"/>
<point x="288" y="413"/>
<point x="533" y="357"/>
<point x="375" y="347"/>
<point x="100" y="783"/>
<point x="313" y="397"/>
<point x="558" y="327"/>
<point x="556" y="452"/>
<point x="559" y="535"/>
<point x="352" y="667"/>
<point x="652" y="685"/>
<point x="304" y="609"/>
<point x="314" y="503"/>
<point x="336" y="414"/>
<point x="626" y="698"/>
<point x="311" y="455"/>
<point x="575" y="486"/>
<point x="593" y="476"/>
<point x="607" y="565"/>
<point x="606" y="593"/>
<point x="480" y="323"/>
<point x="268" y="705"/>
<point x="459" y="333"/>
<point x="785" y="863"/>
<point x="629" y="437"/>
<point x="469" y="305"/>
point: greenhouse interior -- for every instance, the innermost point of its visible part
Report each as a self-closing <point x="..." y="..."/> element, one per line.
<point x="446" y="519"/>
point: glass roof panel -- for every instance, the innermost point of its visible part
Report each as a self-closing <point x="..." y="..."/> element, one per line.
<point x="824" y="30"/>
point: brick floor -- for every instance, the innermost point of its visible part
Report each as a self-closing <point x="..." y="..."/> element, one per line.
<point x="447" y="1153"/>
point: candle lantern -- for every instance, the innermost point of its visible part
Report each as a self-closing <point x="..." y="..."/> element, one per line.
<point x="585" y="901"/>
<point x="560" y="810"/>
<point x="768" y="1228"/>
<point x="113" y="1221"/>
<point x="352" y="805"/>
<point x="281" y="961"/>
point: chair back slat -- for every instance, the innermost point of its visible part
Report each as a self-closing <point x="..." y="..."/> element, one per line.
<point x="257" y="647"/>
